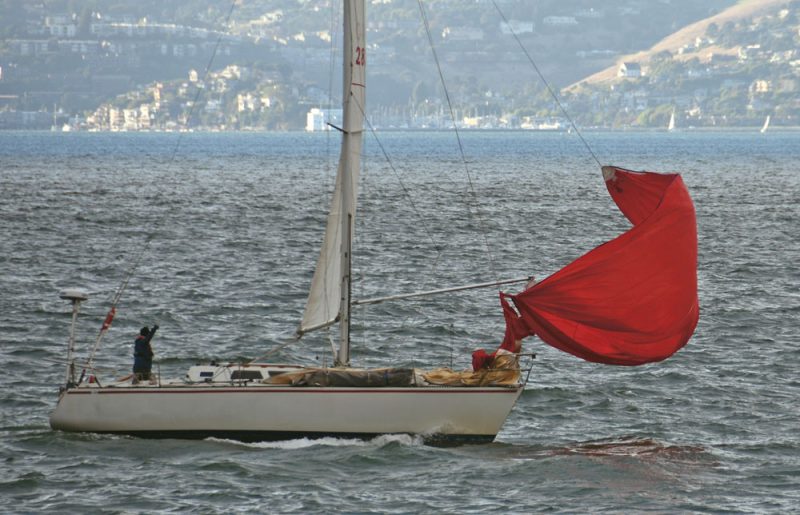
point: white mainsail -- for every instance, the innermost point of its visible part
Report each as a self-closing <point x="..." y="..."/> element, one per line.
<point x="671" y="125"/>
<point x="328" y="299"/>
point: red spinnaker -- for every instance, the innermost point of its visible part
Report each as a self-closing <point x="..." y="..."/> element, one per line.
<point x="632" y="300"/>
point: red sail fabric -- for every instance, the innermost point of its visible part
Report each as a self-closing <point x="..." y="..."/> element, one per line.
<point x="632" y="300"/>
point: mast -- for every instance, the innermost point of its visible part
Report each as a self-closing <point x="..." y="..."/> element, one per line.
<point x="353" y="87"/>
<point x="329" y="296"/>
<point x="343" y="356"/>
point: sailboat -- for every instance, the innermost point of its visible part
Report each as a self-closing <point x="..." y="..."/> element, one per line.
<point x="766" y="125"/>
<point x="671" y="124"/>
<point x="263" y="401"/>
<point x="630" y="301"/>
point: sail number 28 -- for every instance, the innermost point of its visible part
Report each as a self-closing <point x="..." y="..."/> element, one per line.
<point x="361" y="56"/>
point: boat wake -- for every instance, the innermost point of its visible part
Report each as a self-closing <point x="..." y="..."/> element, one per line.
<point x="305" y="443"/>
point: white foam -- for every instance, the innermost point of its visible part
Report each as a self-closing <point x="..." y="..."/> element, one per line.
<point x="304" y="443"/>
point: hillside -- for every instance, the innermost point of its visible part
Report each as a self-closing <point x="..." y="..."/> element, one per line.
<point x="687" y="36"/>
<point x="139" y="64"/>
<point x="733" y="69"/>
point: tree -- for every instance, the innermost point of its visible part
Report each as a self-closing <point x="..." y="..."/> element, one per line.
<point x="664" y="55"/>
<point x="726" y="35"/>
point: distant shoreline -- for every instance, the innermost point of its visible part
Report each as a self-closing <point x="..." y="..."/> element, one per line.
<point x="752" y="129"/>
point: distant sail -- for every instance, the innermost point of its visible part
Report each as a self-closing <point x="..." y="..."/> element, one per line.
<point x="766" y="125"/>
<point x="671" y="125"/>
<point x="632" y="300"/>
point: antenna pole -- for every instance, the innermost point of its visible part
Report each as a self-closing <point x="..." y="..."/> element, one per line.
<point x="75" y="297"/>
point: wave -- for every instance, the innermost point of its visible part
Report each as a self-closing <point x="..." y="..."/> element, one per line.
<point x="305" y="443"/>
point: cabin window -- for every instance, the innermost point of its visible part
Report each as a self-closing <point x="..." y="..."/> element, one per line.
<point x="246" y="374"/>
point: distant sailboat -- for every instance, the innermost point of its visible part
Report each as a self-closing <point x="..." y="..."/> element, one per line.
<point x="766" y="125"/>
<point x="54" y="126"/>
<point x="671" y="125"/>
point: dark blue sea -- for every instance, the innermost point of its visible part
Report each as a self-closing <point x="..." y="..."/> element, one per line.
<point x="221" y="233"/>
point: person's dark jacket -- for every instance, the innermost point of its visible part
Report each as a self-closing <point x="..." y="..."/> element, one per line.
<point x="143" y="353"/>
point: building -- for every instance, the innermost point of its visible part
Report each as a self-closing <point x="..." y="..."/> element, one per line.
<point x="462" y="34"/>
<point x="318" y="119"/>
<point x="559" y="21"/>
<point x="761" y="86"/>
<point x="61" y="26"/>
<point x="630" y="70"/>
<point x="516" y="27"/>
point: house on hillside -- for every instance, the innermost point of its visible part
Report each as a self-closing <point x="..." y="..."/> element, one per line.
<point x="61" y="25"/>
<point x="516" y="27"/>
<point x="462" y="34"/>
<point x="629" y="70"/>
<point x="591" y="13"/>
<point x="31" y="47"/>
<point x="559" y="21"/>
<point x="760" y="86"/>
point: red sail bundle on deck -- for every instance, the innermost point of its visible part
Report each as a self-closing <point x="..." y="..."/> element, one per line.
<point x="632" y="300"/>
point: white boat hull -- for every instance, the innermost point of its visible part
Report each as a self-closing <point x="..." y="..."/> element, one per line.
<point x="267" y="412"/>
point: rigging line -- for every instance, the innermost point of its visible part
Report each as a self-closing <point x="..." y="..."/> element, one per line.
<point x="110" y="316"/>
<point x="406" y="191"/>
<point x="481" y="221"/>
<point x="206" y="73"/>
<point x="123" y="286"/>
<point x="205" y="78"/>
<point x="546" y="84"/>
<point x="330" y="172"/>
<point x="280" y="346"/>
<point x="190" y="116"/>
<point x="84" y="365"/>
<point x="335" y="8"/>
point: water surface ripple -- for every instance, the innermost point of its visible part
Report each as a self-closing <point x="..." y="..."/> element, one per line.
<point x="235" y="222"/>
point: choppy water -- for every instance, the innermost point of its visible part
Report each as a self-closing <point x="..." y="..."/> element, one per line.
<point x="235" y="222"/>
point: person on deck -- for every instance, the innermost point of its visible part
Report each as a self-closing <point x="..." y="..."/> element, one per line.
<point x="482" y="359"/>
<point x="512" y="341"/>
<point x="143" y="354"/>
